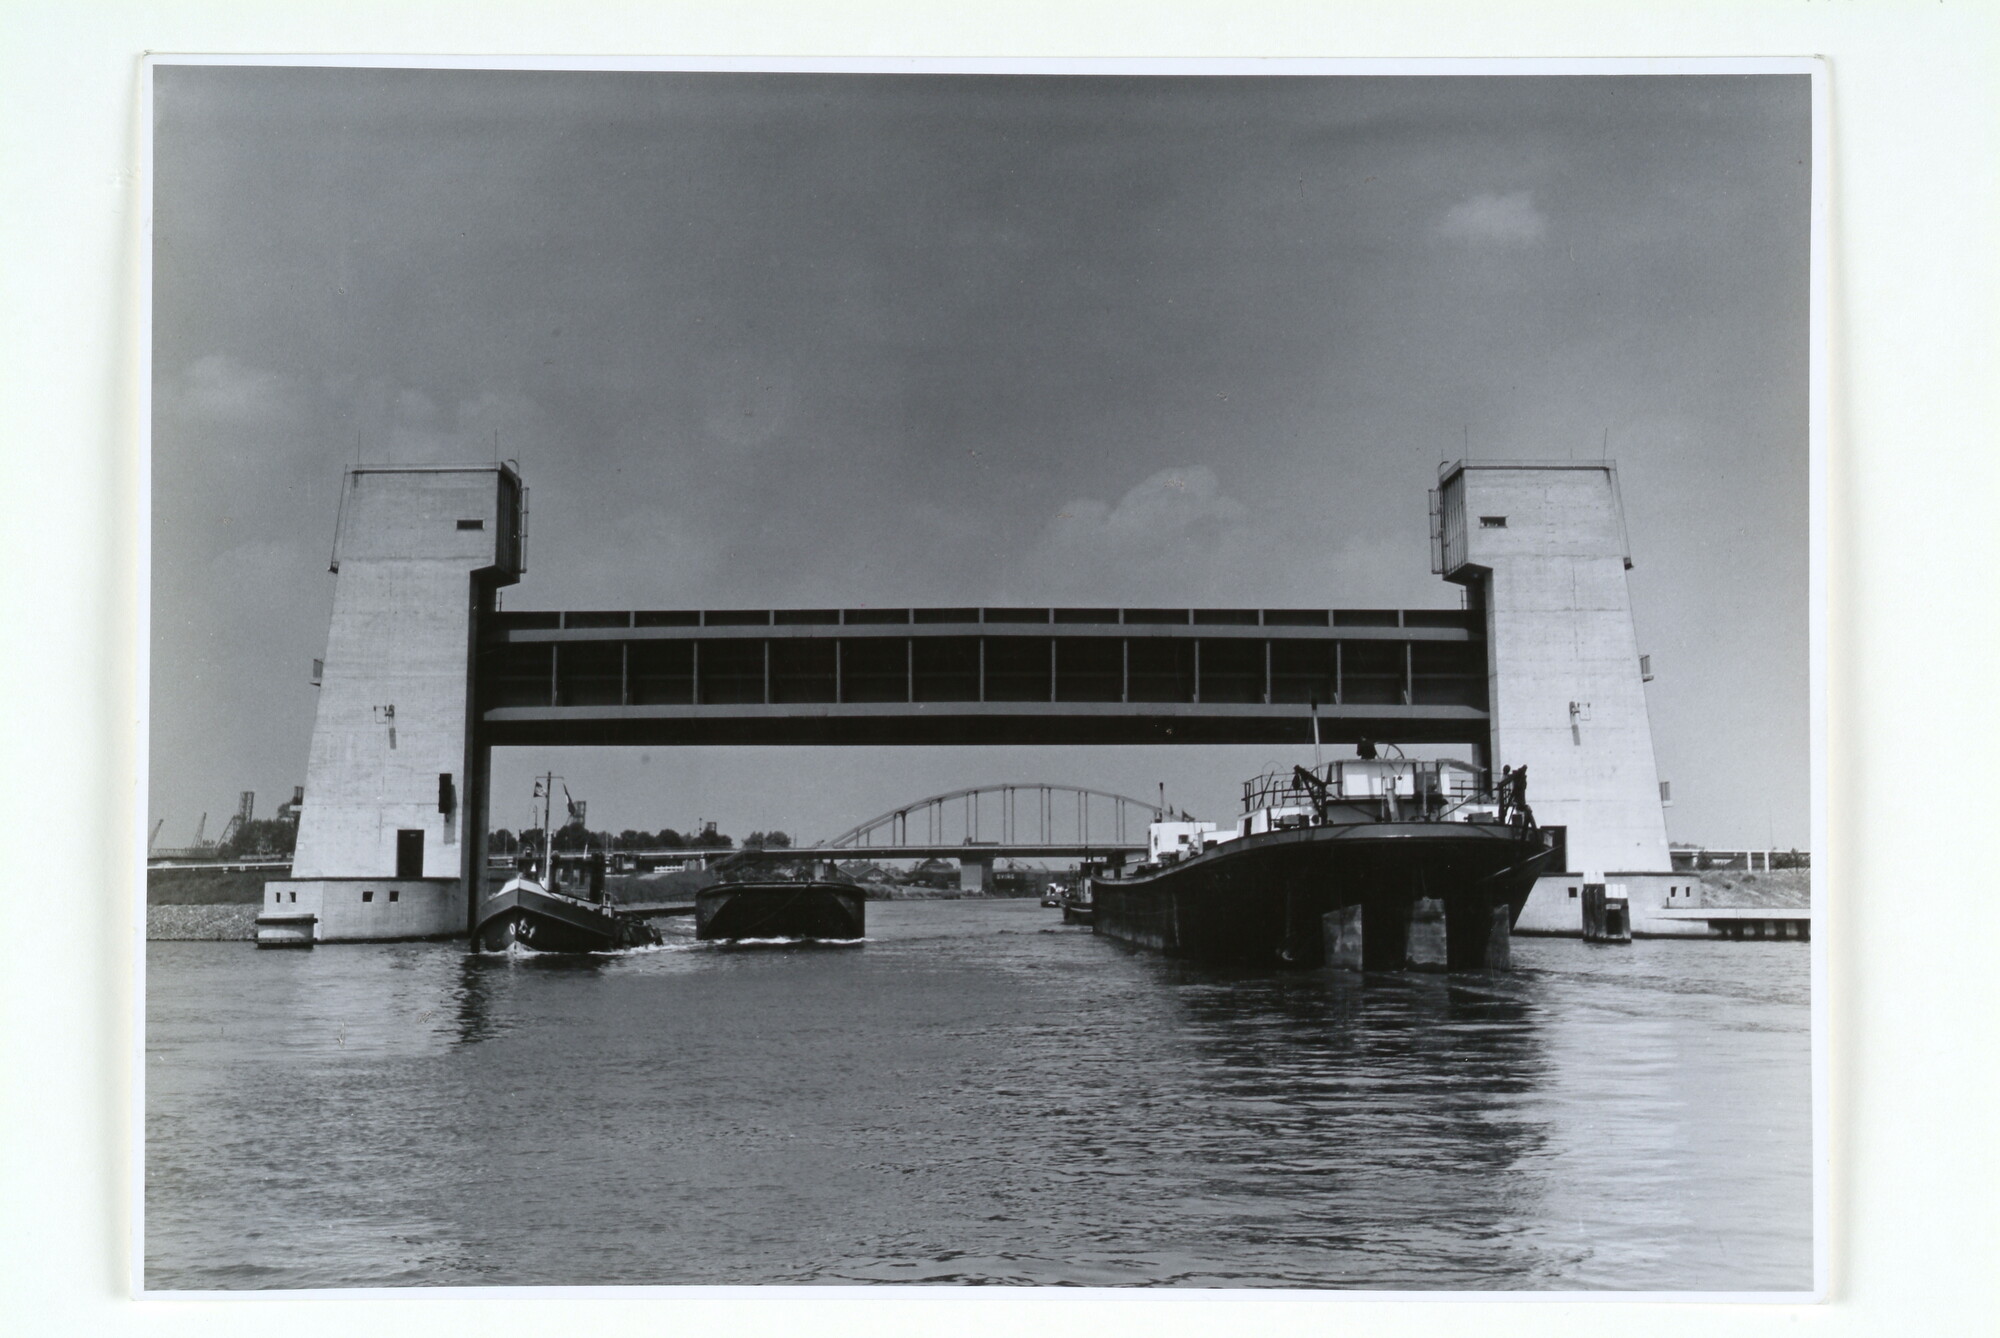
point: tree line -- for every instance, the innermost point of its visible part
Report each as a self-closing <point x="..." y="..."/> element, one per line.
<point x="574" y="837"/>
<point x="271" y="838"/>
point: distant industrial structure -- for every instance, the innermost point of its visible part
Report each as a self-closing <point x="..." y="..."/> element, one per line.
<point x="204" y="851"/>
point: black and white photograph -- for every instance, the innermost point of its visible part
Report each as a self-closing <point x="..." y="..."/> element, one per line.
<point x="1198" y="675"/>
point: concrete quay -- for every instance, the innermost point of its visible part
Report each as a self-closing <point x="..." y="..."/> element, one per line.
<point x="1751" y="922"/>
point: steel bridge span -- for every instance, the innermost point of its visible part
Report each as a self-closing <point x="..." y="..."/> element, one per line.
<point x="982" y="824"/>
<point x="1121" y="818"/>
<point x="980" y="676"/>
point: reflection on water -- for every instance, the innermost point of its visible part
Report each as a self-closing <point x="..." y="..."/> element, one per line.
<point x="975" y="1095"/>
<point x="1381" y="1115"/>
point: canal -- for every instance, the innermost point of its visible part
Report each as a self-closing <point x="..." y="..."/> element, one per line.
<point x="975" y="1095"/>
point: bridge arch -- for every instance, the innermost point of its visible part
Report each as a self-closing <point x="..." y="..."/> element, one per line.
<point x="1119" y="817"/>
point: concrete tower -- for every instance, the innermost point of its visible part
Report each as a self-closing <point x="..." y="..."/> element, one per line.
<point x="392" y="829"/>
<point x="1542" y="550"/>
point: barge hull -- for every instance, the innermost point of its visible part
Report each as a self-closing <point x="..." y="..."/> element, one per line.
<point x="780" y="910"/>
<point x="1266" y="899"/>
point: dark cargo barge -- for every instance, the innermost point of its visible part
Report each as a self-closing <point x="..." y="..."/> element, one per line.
<point x="816" y="909"/>
<point x="1371" y="864"/>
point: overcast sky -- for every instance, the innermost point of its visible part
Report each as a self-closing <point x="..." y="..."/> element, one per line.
<point x="835" y="340"/>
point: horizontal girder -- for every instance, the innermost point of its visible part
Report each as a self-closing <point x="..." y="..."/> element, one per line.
<point x="968" y="724"/>
<point x="1091" y="676"/>
<point x="863" y="622"/>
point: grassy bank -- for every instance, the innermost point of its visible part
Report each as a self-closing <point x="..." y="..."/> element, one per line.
<point x="207" y="887"/>
<point x="1780" y="889"/>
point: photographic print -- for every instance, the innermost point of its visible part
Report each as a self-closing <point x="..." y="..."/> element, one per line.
<point x="1124" y="675"/>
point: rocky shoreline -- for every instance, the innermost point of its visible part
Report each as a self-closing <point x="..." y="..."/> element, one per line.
<point x="228" y="923"/>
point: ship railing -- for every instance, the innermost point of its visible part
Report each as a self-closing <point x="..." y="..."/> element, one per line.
<point x="1431" y="790"/>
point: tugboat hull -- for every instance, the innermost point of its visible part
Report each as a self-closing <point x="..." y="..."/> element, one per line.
<point x="525" y="914"/>
<point x="780" y="910"/>
<point x="1266" y="899"/>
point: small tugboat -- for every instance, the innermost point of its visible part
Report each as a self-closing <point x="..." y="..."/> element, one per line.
<point x="774" y="908"/>
<point x="1077" y="907"/>
<point x="536" y="912"/>
<point x="1376" y="863"/>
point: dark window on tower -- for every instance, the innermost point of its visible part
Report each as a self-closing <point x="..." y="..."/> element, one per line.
<point x="410" y="853"/>
<point x="472" y="524"/>
<point x="1558" y="839"/>
<point x="368" y="896"/>
<point x="1493" y="522"/>
<point x="395" y="894"/>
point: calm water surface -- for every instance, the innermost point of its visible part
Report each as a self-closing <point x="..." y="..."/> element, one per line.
<point x="975" y="1095"/>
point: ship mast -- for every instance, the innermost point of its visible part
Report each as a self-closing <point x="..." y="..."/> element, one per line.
<point x="548" y="836"/>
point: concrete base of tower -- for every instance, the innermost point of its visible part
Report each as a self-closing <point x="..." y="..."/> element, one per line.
<point x="1555" y="907"/>
<point x="366" y="910"/>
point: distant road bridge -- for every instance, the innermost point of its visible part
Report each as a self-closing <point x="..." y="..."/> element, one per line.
<point x="1121" y="819"/>
<point x="983" y="824"/>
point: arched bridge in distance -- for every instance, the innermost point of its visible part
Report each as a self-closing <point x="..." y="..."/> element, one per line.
<point x="981" y="824"/>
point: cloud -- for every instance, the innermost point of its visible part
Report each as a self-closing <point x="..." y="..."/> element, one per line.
<point x="412" y="428"/>
<point x="218" y="389"/>
<point x="1168" y="536"/>
<point x="1173" y="505"/>
<point x="1495" y="220"/>
<point x="1178" y="540"/>
<point x="220" y="412"/>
